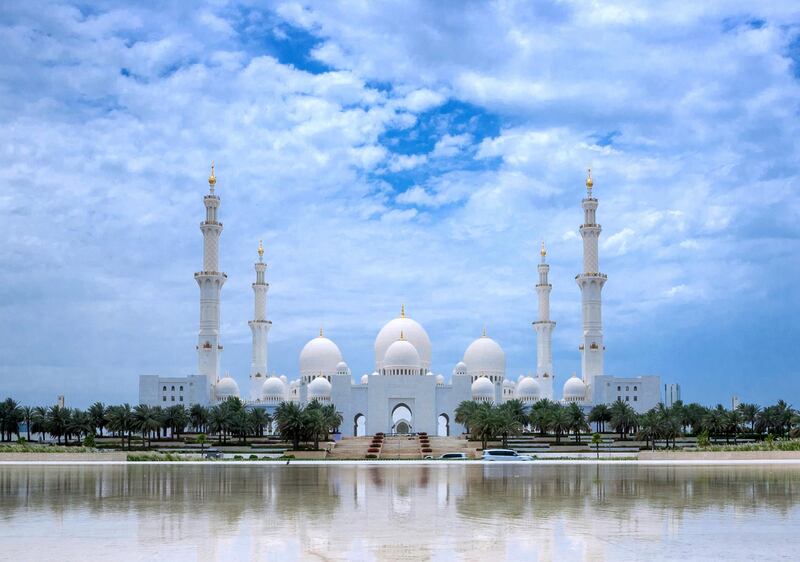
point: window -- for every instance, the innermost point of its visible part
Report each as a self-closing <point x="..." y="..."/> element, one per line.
<point x="163" y="398"/>
<point x="164" y="389"/>
<point x="627" y="388"/>
<point x="182" y="388"/>
<point x="173" y="399"/>
<point x="635" y="398"/>
<point x="634" y="388"/>
<point x="619" y="397"/>
<point x="619" y="388"/>
<point x="173" y="388"/>
<point x="627" y="399"/>
<point x="181" y="398"/>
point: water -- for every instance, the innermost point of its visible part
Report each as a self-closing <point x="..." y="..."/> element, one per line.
<point x="440" y="512"/>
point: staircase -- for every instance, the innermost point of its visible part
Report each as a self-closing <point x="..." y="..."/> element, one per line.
<point x="350" y="448"/>
<point x="442" y="445"/>
<point x="401" y="447"/>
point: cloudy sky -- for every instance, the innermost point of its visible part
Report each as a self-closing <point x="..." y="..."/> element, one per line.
<point x="399" y="152"/>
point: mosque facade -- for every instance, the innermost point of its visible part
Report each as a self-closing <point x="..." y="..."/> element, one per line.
<point x="402" y="395"/>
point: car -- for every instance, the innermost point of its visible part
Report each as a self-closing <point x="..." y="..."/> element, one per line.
<point x="212" y="454"/>
<point x="449" y="457"/>
<point x="504" y="455"/>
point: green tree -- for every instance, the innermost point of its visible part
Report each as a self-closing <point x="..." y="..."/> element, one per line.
<point x="577" y="420"/>
<point x="464" y="414"/>
<point x="10" y="417"/>
<point x="176" y="418"/>
<point x="259" y="419"/>
<point x="39" y="420"/>
<point x="57" y="422"/>
<point x="201" y="439"/>
<point x="540" y="414"/>
<point x="121" y="421"/>
<point x="559" y="422"/>
<point x="98" y="413"/>
<point x="623" y="418"/>
<point x="80" y="424"/>
<point x="749" y="413"/>
<point x="219" y="421"/>
<point x="198" y="417"/>
<point x="649" y="428"/>
<point x="599" y="415"/>
<point x="596" y="440"/>
<point x="27" y="417"/>
<point x="147" y="420"/>
<point x="290" y="418"/>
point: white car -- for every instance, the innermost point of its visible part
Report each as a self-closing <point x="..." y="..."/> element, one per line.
<point x="449" y="457"/>
<point x="504" y="455"/>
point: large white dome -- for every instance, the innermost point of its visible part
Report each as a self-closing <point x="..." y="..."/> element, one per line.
<point x="528" y="389"/>
<point x="484" y="357"/>
<point x="319" y="356"/>
<point x="412" y="331"/>
<point x="273" y="389"/>
<point x="225" y="388"/>
<point x="483" y="388"/>
<point x="574" y="389"/>
<point x="401" y="355"/>
<point x="319" y="388"/>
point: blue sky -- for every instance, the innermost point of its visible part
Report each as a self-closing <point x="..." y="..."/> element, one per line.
<point x="400" y="152"/>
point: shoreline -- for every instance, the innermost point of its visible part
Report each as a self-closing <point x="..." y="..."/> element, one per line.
<point x="414" y="462"/>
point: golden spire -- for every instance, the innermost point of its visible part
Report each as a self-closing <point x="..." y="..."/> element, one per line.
<point x="543" y="252"/>
<point x="212" y="179"/>
<point x="402" y="337"/>
<point x="321" y="333"/>
<point x="483" y="335"/>
<point x="589" y="182"/>
<point x="402" y="311"/>
<point x="260" y="250"/>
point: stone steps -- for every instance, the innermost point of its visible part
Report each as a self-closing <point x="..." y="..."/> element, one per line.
<point x="401" y="447"/>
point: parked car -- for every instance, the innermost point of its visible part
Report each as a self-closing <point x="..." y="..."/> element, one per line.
<point x="504" y="455"/>
<point x="449" y="457"/>
<point x="212" y="454"/>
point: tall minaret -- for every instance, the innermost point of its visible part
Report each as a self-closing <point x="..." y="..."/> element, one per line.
<point x="210" y="281"/>
<point x="591" y="283"/>
<point x="544" y="331"/>
<point x="260" y="326"/>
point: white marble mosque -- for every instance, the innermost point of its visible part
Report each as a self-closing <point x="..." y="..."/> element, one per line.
<point x="402" y="395"/>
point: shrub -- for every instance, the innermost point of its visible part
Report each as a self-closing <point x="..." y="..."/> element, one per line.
<point x="372" y="450"/>
<point x="88" y="441"/>
<point x="427" y="450"/>
<point x="253" y="457"/>
<point x="237" y="457"/>
<point x="370" y="456"/>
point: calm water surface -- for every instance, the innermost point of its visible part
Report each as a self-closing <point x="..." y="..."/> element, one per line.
<point x="450" y="512"/>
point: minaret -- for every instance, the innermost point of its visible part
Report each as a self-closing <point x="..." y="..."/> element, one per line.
<point x="210" y="280"/>
<point x="544" y="331"/>
<point x="591" y="283"/>
<point x="260" y="326"/>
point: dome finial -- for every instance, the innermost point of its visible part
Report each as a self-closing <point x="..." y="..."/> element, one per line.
<point x="260" y="250"/>
<point x="543" y="251"/>
<point x="402" y="337"/>
<point x="321" y="332"/>
<point x="589" y="182"/>
<point x="212" y="179"/>
<point x="483" y="335"/>
<point x="402" y="311"/>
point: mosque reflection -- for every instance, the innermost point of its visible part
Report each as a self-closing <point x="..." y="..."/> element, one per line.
<point x="397" y="512"/>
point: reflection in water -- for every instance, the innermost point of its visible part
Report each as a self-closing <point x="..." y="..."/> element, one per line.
<point x="469" y="512"/>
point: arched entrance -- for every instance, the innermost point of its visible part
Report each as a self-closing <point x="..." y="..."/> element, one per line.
<point x="443" y="426"/>
<point x="402" y="419"/>
<point x="360" y="425"/>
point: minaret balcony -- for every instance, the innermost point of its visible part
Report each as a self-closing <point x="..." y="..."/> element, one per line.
<point x="210" y="274"/>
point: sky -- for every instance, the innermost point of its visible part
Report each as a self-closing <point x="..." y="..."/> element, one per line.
<point x="394" y="153"/>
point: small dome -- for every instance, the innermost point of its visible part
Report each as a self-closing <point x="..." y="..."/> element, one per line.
<point x="273" y="389"/>
<point x="376" y="374"/>
<point x="508" y="384"/>
<point x="460" y="368"/>
<point x="429" y="374"/>
<point x="319" y="388"/>
<point x="528" y="388"/>
<point x="226" y="387"/>
<point x="483" y="388"/>
<point x="519" y="378"/>
<point x="439" y="379"/>
<point x="319" y="356"/>
<point x="342" y="369"/>
<point x="364" y="379"/>
<point x="284" y="379"/>
<point x="401" y="354"/>
<point x="485" y="357"/>
<point x="574" y="389"/>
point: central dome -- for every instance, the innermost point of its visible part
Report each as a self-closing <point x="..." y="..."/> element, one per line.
<point x="485" y="358"/>
<point x="412" y="331"/>
<point x="273" y="389"/>
<point x="320" y="356"/>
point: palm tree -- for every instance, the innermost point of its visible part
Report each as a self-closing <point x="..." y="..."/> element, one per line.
<point x="259" y="419"/>
<point x="600" y="414"/>
<point x="80" y="424"/>
<point x="147" y="421"/>
<point x="121" y="421"/>
<point x="315" y="424"/>
<point x="623" y="418"/>
<point x="732" y="420"/>
<point x="198" y="417"/>
<point x="219" y="419"/>
<point x="27" y="417"/>
<point x="10" y="418"/>
<point x="333" y="418"/>
<point x="559" y="421"/>
<point x="714" y="421"/>
<point x="97" y="412"/>
<point x="540" y="414"/>
<point x="749" y="414"/>
<point x="176" y="418"/>
<point x="58" y="422"/>
<point x="464" y="413"/>
<point x="39" y="421"/>
<point x="596" y="440"/>
<point x="577" y="418"/>
<point x="507" y="421"/>
<point x="202" y="439"/>
<point x="291" y="422"/>
<point x="649" y="428"/>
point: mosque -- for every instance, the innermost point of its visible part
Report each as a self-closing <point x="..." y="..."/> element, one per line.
<point x="402" y="395"/>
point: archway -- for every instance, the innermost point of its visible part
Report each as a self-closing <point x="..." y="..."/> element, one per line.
<point x="443" y="426"/>
<point x="360" y="425"/>
<point x="402" y="419"/>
